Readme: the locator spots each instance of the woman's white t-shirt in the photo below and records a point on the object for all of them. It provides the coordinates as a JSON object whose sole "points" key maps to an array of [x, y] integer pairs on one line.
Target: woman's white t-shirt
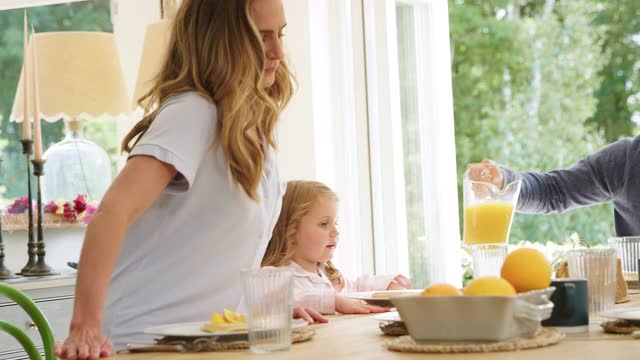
{"points": [[181, 260]]}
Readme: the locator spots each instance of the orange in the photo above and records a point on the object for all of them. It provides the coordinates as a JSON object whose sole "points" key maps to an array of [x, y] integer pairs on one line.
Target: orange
{"points": [[441, 289], [526, 269], [489, 285]]}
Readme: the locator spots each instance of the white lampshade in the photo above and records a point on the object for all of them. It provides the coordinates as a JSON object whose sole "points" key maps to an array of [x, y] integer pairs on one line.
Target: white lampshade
{"points": [[156, 41], [79, 77]]}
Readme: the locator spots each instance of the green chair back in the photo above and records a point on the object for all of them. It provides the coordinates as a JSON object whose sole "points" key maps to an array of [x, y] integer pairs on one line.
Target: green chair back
{"points": [[38, 318]]}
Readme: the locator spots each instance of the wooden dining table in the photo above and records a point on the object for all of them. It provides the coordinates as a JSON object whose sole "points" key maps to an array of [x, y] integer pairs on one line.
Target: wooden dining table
{"points": [[358, 337]]}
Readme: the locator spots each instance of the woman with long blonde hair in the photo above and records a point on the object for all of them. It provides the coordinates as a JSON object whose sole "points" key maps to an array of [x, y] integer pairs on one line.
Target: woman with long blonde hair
{"points": [[199, 195], [304, 240]]}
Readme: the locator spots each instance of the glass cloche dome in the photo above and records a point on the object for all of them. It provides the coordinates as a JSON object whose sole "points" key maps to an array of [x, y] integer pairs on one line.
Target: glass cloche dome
{"points": [[75, 166]]}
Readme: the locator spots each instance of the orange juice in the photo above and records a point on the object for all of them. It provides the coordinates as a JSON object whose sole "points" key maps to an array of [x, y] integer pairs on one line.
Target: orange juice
{"points": [[487, 223]]}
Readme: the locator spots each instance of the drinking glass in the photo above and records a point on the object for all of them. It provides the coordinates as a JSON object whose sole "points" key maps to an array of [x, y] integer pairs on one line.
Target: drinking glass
{"points": [[488, 259], [268, 296], [598, 266], [628, 249]]}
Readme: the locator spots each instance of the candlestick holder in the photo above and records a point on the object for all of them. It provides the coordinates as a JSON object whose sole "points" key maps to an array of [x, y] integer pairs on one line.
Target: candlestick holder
{"points": [[5, 273], [27, 150], [41, 268]]}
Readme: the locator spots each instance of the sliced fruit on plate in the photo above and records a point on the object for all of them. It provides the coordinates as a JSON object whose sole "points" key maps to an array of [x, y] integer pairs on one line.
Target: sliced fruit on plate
{"points": [[227, 321], [217, 319], [223, 327], [232, 317]]}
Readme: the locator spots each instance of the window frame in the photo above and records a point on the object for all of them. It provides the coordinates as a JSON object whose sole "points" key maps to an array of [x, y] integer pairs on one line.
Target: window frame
{"points": [[390, 243], [19, 4]]}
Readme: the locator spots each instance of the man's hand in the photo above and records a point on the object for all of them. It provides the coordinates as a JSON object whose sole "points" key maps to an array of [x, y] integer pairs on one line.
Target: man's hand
{"points": [[486, 171]]}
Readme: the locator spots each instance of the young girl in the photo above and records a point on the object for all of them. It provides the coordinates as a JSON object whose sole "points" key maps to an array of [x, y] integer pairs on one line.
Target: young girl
{"points": [[304, 240]]}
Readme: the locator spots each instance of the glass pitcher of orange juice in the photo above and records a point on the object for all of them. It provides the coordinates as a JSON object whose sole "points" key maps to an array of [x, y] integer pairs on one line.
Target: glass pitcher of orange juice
{"points": [[488, 211]]}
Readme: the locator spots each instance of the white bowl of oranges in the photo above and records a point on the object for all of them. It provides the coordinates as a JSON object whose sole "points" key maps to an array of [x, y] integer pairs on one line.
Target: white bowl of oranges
{"points": [[488, 308]]}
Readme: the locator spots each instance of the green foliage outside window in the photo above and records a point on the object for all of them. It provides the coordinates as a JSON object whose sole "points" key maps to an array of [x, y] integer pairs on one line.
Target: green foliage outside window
{"points": [[91, 15], [540, 84]]}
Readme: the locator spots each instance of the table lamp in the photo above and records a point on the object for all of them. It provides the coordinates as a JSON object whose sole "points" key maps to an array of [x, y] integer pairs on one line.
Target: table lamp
{"points": [[78, 77]]}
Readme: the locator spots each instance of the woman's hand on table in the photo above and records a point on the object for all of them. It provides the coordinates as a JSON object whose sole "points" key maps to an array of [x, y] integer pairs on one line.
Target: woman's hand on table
{"points": [[352, 306], [84, 343], [309, 315]]}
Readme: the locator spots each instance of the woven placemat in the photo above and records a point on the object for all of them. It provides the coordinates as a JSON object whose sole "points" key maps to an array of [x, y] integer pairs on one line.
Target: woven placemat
{"points": [[621, 326], [208, 344], [544, 337], [394, 328]]}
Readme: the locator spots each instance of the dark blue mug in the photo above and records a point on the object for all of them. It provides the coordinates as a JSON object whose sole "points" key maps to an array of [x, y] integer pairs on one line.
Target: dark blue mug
{"points": [[570, 304]]}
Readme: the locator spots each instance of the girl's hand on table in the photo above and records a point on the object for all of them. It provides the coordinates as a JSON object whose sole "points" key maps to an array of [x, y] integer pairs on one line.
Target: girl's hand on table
{"points": [[352, 306], [309, 315], [84, 343]]}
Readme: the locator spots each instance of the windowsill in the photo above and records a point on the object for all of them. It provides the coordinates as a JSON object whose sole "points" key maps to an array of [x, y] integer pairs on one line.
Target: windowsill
{"points": [[65, 278]]}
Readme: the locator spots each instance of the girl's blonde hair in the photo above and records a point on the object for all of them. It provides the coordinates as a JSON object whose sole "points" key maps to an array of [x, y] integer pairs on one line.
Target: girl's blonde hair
{"points": [[296, 204], [216, 50]]}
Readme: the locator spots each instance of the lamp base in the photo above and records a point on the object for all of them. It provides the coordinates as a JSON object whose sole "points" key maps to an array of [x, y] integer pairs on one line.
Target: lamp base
{"points": [[75, 166]]}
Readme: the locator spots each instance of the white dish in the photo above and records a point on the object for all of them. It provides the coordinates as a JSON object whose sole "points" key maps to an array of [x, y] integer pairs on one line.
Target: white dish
{"points": [[388, 316], [474, 317], [192, 329], [381, 298], [623, 314]]}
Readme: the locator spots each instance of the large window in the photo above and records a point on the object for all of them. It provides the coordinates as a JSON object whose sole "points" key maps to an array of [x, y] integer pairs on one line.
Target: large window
{"points": [[540, 84], [537, 85], [90, 15]]}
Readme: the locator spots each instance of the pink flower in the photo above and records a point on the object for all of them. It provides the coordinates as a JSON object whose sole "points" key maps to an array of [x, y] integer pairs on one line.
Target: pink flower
{"points": [[70, 209], [19, 206], [88, 214], [50, 208], [80, 204], [68, 212]]}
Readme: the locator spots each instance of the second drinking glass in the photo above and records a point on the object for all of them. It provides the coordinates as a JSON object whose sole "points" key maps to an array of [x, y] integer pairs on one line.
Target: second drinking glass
{"points": [[268, 295]]}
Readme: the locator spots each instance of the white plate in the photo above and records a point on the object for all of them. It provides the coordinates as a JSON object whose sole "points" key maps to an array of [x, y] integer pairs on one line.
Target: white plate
{"points": [[192, 329], [381, 298], [388, 316], [624, 314]]}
